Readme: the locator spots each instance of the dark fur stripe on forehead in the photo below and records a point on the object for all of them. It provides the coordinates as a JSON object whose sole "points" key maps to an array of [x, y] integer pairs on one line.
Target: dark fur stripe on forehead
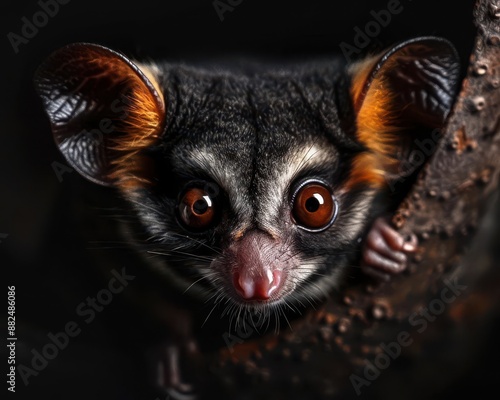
{"points": [[210, 106]]}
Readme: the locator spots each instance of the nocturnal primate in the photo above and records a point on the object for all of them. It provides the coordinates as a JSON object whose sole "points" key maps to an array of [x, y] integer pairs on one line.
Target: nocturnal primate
{"points": [[260, 185]]}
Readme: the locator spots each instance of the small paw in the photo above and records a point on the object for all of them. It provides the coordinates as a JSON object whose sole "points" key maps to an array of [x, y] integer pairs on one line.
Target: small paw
{"points": [[385, 251]]}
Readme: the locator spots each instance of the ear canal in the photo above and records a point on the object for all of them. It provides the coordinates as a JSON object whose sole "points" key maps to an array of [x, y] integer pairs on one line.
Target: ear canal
{"points": [[104, 112], [409, 88]]}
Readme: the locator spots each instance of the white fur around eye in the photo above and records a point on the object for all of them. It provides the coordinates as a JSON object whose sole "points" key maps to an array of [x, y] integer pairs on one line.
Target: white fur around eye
{"points": [[272, 192], [227, 176], [275, 192]]}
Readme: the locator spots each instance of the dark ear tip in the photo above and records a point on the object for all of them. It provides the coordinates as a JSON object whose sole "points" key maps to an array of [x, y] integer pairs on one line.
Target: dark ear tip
{"points": [[63, 53], [435, 45], [426, 77], [48, 71], [433, 42], [56, 54]]}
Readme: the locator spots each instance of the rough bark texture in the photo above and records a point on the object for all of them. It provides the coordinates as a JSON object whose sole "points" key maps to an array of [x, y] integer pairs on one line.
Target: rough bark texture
{"points": [[444, 208]]}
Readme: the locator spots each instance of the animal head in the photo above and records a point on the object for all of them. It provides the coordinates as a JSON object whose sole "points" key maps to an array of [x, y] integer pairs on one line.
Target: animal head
{"points": [[254, 183]]}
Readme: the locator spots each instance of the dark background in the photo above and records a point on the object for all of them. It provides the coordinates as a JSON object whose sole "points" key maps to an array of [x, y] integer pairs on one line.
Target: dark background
{"points": [[46, 255]]}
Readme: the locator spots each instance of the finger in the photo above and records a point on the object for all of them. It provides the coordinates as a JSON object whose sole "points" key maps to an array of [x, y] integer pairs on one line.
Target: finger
{"points": [[376, 241], [393, 238], [375, 260]]}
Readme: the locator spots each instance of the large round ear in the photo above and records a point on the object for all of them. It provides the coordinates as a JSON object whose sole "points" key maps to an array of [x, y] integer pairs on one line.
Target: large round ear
{"points": [[412, 85], [104, 111]]}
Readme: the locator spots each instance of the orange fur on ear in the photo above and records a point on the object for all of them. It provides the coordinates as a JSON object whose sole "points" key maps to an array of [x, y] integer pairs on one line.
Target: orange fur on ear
{"points": [[142, 127], [377, 123]]}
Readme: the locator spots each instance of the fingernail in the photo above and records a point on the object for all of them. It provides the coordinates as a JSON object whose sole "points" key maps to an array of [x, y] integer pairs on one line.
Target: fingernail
{"points": [[409, 247]]}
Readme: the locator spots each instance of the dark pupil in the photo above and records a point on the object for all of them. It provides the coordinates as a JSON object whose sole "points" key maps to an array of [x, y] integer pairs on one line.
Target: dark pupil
{"points": [[200, 207], [312, 204]]}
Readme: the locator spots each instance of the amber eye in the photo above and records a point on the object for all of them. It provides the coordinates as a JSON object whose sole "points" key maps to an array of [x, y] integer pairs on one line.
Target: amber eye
{"points": [[314, 207], [197, 209]]}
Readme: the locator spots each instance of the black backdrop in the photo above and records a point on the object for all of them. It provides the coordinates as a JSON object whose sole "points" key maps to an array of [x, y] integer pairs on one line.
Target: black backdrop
{"points": [[41, 247]]}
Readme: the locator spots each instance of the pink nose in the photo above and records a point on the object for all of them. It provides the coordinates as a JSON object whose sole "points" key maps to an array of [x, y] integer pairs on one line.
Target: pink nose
{"points": [[257, 287]]}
